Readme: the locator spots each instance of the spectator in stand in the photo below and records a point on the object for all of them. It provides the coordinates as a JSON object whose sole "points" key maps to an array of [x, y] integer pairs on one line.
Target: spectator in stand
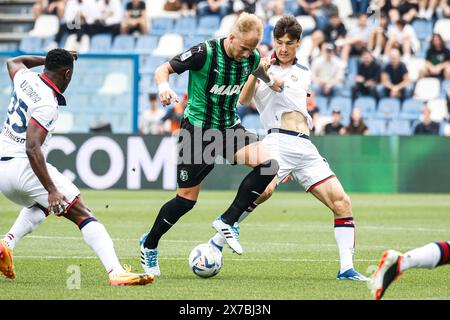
{"points": [[136, 19], [402, 36], [248, 6], [426, 125], [174, 115], [357, 125], [55, 7], [379, 36], [334, 33], [394, 78], [150, 121], [427, 8], [307, 7], [78, 16], [368, 77], [220, 7], [437, 60], [335, 127], [109, 17], [443, 10], [360, 6], [189, 7], [406, 10], [357, 39], [327, 72], [324, 13], [314, 112]]}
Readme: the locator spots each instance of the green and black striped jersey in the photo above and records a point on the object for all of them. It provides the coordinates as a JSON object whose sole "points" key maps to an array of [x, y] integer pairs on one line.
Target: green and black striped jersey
{"points": [[215, 82]]}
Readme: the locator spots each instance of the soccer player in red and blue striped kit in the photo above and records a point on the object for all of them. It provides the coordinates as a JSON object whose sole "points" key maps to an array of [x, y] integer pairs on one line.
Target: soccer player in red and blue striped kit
{"points": [[393, 264]]}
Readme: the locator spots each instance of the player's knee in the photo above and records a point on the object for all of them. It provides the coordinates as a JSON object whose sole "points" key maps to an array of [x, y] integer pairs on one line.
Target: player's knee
{"points": [[342, 205]]}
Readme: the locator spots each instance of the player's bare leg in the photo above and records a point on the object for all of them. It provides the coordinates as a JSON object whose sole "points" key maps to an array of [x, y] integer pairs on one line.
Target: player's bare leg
{"points": [[96, 236], [332, 194]]}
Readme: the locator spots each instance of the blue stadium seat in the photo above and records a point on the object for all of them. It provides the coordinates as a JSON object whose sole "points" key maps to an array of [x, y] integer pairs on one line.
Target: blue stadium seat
{"points": [[207, 25], [322, 104], [191, 41], [123, 43], [146, 44], [31, 45], [445, 86], [161, 26], [150, 64], [423, 28], [367, 105], [376, 127], [101, 43], [185, 25], [388, 108], [399, 128], [352, 67], [411, 109], [345, 104]]}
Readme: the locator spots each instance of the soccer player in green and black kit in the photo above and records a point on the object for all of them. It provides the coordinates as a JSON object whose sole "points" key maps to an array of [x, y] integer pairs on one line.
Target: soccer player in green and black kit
{"points": [[218, 69]]}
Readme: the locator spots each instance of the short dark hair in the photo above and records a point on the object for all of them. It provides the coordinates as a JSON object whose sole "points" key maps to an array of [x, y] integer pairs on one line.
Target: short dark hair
{"points": [[152, 96], [57, 59], [288, 25]]}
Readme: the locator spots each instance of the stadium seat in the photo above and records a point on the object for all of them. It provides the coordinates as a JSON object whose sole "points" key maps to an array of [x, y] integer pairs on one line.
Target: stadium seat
{"points": [[226, 24], [208, 25], [308, 24], [438, 108], [442, 27], [423, 28], [46, 25], [146, 44], [161, 26], [150, 63], [427, 88], [322, 104], [414, 65], [31, 45], [115, 84], [445, 86], [376, 127], [367, 105], [185, 25], [191, 41], [344, 104], [411, 109], [399, 128], [101, 43], [169, 45], [123, 43], [388, 108]]}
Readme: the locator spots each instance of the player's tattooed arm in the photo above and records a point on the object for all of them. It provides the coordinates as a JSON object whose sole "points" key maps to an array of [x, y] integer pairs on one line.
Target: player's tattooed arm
{"points": [[36, 135], [22, 62]]}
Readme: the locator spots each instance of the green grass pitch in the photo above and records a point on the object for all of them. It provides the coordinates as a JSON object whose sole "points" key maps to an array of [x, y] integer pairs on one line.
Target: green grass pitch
{"points": [[289, 248]]}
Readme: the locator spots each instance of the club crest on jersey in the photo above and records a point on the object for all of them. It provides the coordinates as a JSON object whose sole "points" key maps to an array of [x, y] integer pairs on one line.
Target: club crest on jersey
{"points": [[226, 90], [184, 175], [294, 78]]}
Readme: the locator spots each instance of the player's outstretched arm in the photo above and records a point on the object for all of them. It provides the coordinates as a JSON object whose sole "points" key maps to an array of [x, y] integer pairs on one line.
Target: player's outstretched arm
{"points": [[22, 62], [166, 94], [36, 135]]}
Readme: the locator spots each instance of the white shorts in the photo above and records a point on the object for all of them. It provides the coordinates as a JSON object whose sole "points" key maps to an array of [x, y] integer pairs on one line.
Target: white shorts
{"points": [[298, 157], [20, 184]]}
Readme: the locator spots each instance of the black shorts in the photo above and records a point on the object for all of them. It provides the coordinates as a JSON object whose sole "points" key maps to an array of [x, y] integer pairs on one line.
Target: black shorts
{"points": [[198, 149]]}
